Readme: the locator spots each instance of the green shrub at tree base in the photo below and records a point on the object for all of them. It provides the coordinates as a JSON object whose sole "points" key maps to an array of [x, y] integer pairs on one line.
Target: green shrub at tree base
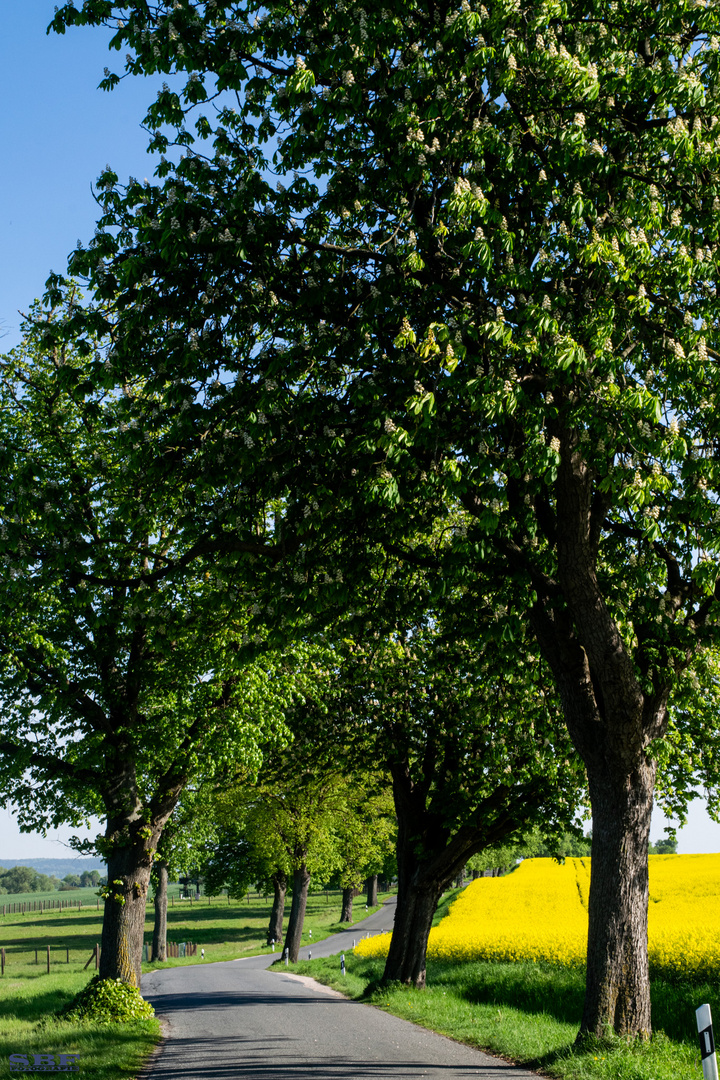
{"points": [[110, 1001]]}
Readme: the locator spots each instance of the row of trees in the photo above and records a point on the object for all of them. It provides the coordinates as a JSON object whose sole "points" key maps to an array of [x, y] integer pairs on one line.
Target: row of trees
{"points": [[412, 424], [299, 823], [131, 677], [22, 879]]}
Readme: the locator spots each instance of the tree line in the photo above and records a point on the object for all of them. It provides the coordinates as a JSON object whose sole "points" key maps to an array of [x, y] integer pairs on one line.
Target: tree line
{"points": [[381, 441], [22, 879]]}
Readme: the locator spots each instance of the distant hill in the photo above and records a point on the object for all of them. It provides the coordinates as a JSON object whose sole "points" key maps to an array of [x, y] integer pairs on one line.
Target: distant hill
{"points": [[58, 867]]}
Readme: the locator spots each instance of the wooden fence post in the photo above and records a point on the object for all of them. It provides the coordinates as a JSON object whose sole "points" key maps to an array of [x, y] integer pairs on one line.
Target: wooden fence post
{"points": [[2, 961], [48, 959], [36, 956]]}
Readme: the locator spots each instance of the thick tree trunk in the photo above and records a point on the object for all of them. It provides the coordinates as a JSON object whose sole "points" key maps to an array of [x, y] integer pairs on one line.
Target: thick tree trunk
{"points": [[430, 856], [612, 719], [417, 903], [124, 914], [131, 842], [301, 884], [428, 859], [159, 940], [347, 906], [612, 741], [372, 891], [275, 927], [617, 995]]}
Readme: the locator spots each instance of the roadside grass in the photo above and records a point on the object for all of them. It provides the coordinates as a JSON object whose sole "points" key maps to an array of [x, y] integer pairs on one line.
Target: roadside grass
{"points": [[530, 1015], [27, 1026]]}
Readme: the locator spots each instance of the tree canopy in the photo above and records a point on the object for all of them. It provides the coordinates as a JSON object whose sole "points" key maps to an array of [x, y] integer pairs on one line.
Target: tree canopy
{"points": [[485, 276], [120, 681]]}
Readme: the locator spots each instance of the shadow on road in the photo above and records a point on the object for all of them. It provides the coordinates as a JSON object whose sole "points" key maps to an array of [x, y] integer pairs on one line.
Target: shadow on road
{"points": [[238, 1058], [167, 1003]]}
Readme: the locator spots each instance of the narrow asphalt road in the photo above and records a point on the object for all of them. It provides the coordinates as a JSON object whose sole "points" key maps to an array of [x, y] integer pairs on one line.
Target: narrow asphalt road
{"points": [[239, 1021]]}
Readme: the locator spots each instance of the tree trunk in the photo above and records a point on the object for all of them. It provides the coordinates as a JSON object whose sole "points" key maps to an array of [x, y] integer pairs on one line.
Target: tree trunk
{"points": [[612, 719], [617, 995], [372, 891], [417, 903], [428, 859], [124, 914], [159, 940], [475, 875], [347, 906], [275, 927], [430, 856], [621, 779], [130, 845], [301, 884]]}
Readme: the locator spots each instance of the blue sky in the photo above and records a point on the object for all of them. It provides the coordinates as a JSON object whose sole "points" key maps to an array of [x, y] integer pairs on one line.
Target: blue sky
{"points": [[57, 132]]}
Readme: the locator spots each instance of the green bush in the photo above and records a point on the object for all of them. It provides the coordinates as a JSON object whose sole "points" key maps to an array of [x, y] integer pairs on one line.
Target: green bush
{"points": [[110, 1001]]}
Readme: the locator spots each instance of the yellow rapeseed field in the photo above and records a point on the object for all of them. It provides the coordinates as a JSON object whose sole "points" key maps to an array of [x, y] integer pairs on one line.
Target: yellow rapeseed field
{"points": [[539, 912]]}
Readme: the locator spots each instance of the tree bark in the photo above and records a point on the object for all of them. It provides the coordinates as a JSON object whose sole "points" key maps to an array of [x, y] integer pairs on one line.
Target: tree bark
{"points": [[417, 903], [159, 939], [124, 914], [612, 719], [275, 927], [372, 891], [347, 906], [293, 938], [132, 834], [429, 856], [617, 994], [611, 732]]}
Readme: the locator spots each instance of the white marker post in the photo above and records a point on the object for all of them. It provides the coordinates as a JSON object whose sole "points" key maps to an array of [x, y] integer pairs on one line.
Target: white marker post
{"points": [[707, 1042], [342, 964]]}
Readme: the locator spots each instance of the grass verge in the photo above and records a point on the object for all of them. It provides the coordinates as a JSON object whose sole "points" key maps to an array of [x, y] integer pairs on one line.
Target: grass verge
{"points": [[530, 1014], [28, 1026]]}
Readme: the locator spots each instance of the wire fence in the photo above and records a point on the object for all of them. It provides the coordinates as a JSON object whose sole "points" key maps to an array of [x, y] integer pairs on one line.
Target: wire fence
{"points": [[51, 955], [23, 906]]}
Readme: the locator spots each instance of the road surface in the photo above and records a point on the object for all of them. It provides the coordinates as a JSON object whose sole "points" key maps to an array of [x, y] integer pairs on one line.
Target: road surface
{"points": [[238, 1021]]}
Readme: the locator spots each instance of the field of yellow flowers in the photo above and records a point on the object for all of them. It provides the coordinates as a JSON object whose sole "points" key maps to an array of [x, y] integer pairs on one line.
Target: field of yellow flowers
{"points": [[539, 912]]}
